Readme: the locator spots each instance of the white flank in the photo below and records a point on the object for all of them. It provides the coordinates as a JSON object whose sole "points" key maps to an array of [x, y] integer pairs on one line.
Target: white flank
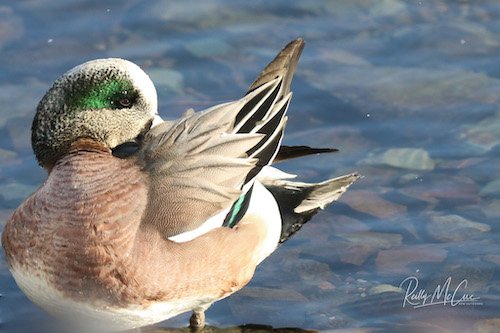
{"points": [[264, 207], [97, 315]]}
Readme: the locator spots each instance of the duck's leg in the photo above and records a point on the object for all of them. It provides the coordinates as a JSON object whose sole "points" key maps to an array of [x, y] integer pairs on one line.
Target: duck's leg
{"points": [[197, 320]]}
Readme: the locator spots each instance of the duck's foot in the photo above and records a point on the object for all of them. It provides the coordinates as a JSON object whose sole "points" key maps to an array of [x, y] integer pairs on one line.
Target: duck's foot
{"points": [[197, 320]]}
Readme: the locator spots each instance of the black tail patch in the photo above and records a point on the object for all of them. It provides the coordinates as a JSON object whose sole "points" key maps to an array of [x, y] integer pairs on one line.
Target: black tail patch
{"points": [[287, 200]]}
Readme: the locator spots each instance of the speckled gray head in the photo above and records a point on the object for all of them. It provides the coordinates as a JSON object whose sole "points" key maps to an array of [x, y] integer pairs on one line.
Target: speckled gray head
{"points": [[111, 101]]}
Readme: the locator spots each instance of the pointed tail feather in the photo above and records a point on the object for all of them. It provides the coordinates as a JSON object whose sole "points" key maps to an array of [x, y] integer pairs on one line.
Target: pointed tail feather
{"points": [[284, 64], [299, 202], [289, 152]]}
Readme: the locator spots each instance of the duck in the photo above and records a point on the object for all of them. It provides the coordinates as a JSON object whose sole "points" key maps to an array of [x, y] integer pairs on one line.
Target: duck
{"points": [[141, 219]]}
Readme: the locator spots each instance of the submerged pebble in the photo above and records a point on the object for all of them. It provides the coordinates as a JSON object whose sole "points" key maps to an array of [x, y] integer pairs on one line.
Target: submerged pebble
{"points": [[166, 78], [491, 189], [397, 261], [487, 326], [454, 228], [371, 203], [484, 134], [405, 158], [15, 191], [208, 47]]}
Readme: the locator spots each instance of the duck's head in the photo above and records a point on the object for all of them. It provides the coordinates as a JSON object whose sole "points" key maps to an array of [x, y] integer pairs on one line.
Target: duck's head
{"points": [[110, 101]]}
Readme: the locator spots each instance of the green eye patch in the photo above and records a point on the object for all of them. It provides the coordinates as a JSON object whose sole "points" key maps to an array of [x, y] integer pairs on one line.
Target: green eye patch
{"points": [[112, 94]]}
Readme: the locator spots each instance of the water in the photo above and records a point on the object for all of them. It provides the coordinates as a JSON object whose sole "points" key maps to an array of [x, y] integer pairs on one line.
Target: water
{"points": [[407, 90]]}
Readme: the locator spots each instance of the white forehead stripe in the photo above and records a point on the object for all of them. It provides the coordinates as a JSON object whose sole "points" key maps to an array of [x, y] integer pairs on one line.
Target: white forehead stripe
{"points": [[138, 77]]}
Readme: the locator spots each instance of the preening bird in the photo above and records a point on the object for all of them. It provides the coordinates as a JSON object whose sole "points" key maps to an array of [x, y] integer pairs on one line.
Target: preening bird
{"points": [[141, 219]]}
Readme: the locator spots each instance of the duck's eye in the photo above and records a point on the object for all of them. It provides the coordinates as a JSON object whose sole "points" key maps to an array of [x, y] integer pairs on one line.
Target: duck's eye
{"points": [[125, 102]]}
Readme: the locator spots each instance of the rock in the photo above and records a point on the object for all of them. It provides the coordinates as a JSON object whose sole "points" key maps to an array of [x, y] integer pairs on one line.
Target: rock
{"points": [[356, 254], [268, 306], [354, 8], [351, 330], [208, 47], [26, 97], [11, 26], [492, 208], [435, 188], [264, 293], [415, 91], [384, 288], [370, 203], [493, 258], [7, 155], [396, 260], [166, 78], [16, 191], [310, 271], [487, 326], [379, 240], [405, 158], [454, 228], [491, 189], [343, 57], [476, 272], [362, 245], [484, 134]]}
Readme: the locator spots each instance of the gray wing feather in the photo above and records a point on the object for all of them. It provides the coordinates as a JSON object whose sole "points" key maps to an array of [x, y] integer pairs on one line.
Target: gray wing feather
{"points": [[198, 165]]}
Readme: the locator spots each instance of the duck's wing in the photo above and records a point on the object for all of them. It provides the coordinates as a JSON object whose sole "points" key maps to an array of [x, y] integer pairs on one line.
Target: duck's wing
{"points": [[199, 165]]}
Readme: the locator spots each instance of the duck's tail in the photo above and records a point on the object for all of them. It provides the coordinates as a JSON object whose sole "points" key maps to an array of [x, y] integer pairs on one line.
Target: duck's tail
{"points": [[299, 202]]}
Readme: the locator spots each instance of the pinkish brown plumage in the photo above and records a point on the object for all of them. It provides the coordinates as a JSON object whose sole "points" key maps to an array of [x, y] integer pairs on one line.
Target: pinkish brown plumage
{"points": [[136, 224]]}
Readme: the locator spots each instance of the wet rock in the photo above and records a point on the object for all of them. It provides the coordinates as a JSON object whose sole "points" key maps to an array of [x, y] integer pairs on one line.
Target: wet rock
{"points": [[435, 188], [397, 260], [384, 288], [370, 203], [16, 191], [454, 228], [310, 271], [7, 155], [268, 306], [19, 131], [364, 244], [137, 47], [405, 158], [378, 240], [11, 26], [208, 47], [487, 326], [492, 208], [166, 78], [343, 57], [485, 134], [491, 189], [354, 8], [25, 96], [494, 258], [478, 274], [352, 330], [356, 254], [271, 294], [413, 89]]}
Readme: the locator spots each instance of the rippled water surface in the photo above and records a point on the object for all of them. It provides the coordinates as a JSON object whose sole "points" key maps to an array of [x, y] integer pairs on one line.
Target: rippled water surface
{"points": [[407, 90]]}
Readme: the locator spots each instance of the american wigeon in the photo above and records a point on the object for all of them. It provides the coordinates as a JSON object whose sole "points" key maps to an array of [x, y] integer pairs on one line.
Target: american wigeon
{"points": [[141, 219]]}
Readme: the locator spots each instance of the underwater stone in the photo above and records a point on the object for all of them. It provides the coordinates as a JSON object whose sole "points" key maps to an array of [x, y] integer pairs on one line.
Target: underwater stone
{"points": [[454, 228], [405, 158], [166, 78], [208, 47], [491, 189], [384, 288]]}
